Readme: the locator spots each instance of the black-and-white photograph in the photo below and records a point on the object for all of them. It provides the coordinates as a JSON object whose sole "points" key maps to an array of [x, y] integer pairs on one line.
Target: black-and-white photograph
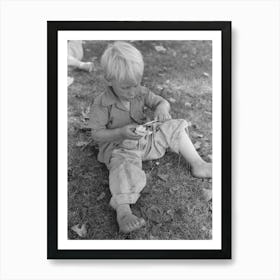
{"points": [[140, 114], [140, 140]]}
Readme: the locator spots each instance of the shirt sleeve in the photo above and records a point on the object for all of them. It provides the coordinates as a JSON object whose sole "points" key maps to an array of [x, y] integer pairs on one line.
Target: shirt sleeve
{"points": [[98, 117], [151, 100]]}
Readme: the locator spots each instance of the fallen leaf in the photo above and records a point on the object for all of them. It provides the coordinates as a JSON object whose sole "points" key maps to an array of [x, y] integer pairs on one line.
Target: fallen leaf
{"points": [[205, 184], [178, 213], [154, 214], [74, 122], [157, 162], [157, 188], [152, 237], [169, 212], [93, 58], [160, 49], [81, 143], [197, 145], [146, 190], [172, 100], [81, 231], [70, 80], [194, 51], [188, 104], [159, 87], [197, 135], [101, 196], [156, 230], [85, 112], [192, 64], [174, 189], [105, 181], [205, 74], [169, 216], [204, 228], [163, 177], [207, 194], [96, 164], [210, 206]]}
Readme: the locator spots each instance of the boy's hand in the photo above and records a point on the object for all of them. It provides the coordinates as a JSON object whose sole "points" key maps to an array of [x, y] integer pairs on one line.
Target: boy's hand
{"points": [[128, 132], [162, 115], [87, 66], [162, 111]]}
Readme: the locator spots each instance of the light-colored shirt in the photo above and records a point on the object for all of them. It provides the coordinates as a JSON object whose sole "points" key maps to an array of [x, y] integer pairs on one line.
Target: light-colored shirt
{"points": [[108, 112]]}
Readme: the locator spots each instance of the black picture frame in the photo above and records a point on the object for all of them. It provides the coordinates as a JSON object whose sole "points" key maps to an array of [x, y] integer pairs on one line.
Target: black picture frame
{"points": [[52, 129]]}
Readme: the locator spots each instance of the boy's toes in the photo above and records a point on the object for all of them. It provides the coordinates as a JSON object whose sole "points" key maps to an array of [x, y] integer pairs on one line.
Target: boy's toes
{"points": [[130, 223], [202, 171], [138, 223]]}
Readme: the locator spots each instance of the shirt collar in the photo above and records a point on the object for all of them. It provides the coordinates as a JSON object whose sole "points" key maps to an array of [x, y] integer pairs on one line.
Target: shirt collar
{"points": [[109, 98]]}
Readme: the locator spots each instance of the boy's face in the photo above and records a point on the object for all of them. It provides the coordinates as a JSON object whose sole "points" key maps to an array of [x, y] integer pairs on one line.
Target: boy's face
{"points": [[126, 90]]}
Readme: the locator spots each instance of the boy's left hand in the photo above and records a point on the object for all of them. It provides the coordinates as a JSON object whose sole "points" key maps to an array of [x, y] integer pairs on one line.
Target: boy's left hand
{"points": [[162, 115]]}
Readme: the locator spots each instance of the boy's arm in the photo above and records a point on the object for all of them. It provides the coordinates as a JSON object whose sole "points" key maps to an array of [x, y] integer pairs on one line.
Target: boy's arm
{"points": [[106, 135], [160, 106], [99, 118], [162, 111], [115, 134]]}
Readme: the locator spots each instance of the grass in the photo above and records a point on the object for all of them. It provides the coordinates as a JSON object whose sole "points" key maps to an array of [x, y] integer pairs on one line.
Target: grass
{"points": [[176, 205]]}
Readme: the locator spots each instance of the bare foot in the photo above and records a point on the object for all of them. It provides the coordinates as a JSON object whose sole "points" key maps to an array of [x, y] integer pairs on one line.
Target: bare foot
{"points": [[202, 170], [127, 221], [87, 66]]}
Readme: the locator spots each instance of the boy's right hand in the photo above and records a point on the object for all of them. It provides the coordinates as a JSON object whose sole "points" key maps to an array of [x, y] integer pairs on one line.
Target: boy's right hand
{"points": [[128, 132]]}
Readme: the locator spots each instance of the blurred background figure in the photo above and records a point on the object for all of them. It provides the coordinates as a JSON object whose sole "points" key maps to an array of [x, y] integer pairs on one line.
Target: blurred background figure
{"points": [[75, 55]]}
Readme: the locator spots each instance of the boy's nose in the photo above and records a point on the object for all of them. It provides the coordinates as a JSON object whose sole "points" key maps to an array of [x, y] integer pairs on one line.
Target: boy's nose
{"points": [[132, 92]]}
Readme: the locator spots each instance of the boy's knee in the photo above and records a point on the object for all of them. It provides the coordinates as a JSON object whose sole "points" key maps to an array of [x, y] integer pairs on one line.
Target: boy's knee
{"points": [[174, 130], [180, 123], [175, 124], [120, 157], [183, 126]]}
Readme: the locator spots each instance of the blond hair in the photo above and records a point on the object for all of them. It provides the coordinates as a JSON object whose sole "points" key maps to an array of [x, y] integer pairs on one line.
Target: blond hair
{"points": [[122, 62]]}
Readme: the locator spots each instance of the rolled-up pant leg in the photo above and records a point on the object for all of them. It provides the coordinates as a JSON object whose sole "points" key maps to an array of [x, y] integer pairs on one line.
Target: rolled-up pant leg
{"points": [[126, 177], [172, 131], [166, 135]]}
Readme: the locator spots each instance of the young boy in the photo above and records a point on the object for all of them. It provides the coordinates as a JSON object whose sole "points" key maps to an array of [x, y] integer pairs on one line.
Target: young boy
{"points": [[116, 119]]}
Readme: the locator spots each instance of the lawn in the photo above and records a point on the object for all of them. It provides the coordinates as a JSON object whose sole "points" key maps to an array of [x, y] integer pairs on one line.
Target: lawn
{"points": [[174, 204]]}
